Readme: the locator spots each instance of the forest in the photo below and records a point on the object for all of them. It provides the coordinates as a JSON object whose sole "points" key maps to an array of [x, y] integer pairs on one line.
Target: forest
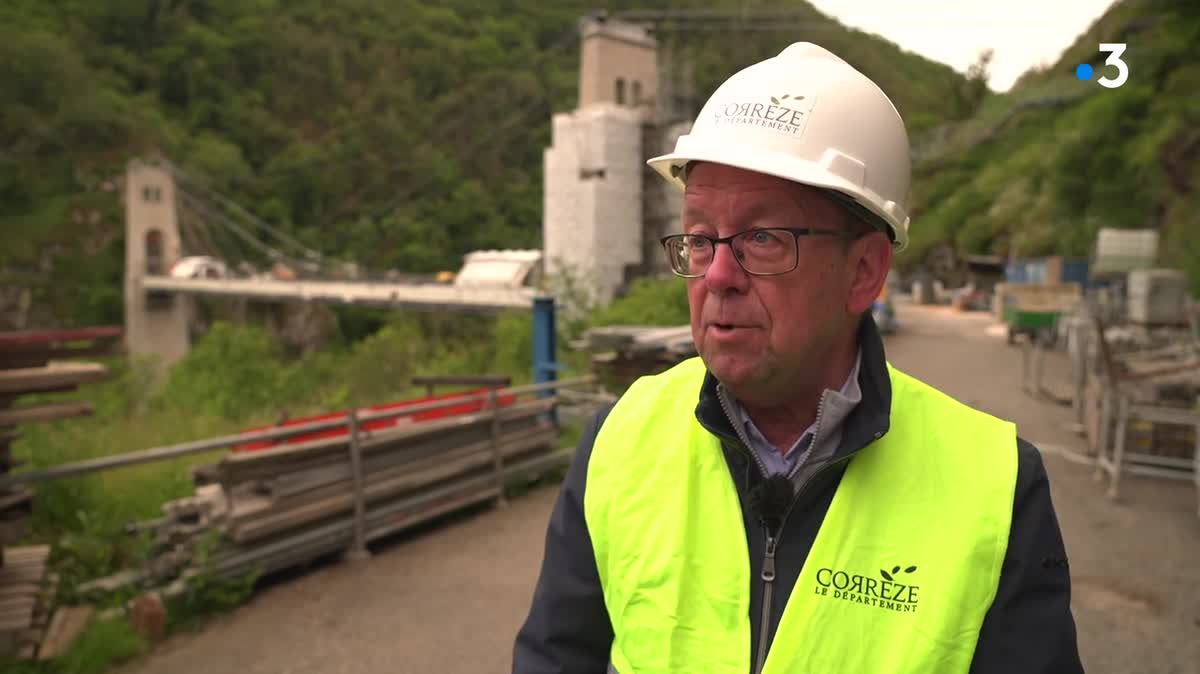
{"points": [[395, 135]]}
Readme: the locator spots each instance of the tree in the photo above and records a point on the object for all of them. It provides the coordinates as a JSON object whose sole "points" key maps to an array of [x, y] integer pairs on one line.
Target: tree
{"points": [[975, 88]]}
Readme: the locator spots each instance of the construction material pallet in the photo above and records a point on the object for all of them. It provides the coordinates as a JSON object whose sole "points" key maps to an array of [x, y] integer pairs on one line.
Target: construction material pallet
{"points": [[26, 598]]}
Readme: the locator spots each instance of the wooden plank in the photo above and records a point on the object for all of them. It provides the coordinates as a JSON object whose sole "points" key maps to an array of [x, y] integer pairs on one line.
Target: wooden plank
{"points": [[12, 573], [18, 565], [242, 467], [45, 412], [21, 589], [265, 525], [51, 377], [15, 497], [15, 340], [279, 458], [114, 582], [66, 625], [28, 553], [11, 606], [16, 613], [486, 380], [300, 481], [512, 445], [309, 543], [408, 519], [39, 356], [541, 464], [375, 440], [415, 471]]}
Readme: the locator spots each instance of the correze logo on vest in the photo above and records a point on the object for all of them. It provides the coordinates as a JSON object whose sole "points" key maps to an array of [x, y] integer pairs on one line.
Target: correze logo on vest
{"points": [[886, 592], [788, 113]]}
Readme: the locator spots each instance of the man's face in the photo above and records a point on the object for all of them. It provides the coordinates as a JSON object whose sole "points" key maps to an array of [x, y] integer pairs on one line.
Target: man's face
{"points": [[761, 335]]}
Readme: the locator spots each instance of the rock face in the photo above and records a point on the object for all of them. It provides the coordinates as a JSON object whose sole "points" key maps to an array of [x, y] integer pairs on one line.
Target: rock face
{"points": [[298, 327], [303, 327]]}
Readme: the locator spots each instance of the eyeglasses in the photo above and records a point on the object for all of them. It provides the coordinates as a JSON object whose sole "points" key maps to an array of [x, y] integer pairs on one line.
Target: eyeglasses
{"points": [[760, 252]]}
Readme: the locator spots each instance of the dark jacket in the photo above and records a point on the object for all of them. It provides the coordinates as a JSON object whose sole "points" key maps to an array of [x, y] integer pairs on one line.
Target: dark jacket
{"points": [[1029, 628]]}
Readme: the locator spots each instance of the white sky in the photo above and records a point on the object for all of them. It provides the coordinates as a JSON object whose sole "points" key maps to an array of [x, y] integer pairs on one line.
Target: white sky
{"points": [[1023, 33]]}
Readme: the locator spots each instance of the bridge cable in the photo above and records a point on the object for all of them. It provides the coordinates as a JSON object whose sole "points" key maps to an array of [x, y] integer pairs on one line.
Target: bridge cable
{"points": [[311, 254], [196, 204]]}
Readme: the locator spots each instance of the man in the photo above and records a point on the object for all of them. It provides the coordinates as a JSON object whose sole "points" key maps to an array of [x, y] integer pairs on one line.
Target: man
{"points": [[788, 502]]}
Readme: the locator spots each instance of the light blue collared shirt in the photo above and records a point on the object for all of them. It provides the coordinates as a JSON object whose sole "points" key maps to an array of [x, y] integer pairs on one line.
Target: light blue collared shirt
{"points": [[837, 406]]}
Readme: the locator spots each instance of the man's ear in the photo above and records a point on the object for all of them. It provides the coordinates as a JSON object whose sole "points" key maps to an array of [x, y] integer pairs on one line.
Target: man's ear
{"points": [[871, 257]]}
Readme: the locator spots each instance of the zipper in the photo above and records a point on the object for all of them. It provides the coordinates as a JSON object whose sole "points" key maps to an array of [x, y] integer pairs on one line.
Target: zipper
{"points": [[768, 567], [816, 437], [737, 428], [768, 578]]}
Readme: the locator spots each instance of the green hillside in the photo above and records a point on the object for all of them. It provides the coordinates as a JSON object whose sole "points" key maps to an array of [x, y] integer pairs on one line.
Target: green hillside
{"points": [[1042, 168], [396, 134]]}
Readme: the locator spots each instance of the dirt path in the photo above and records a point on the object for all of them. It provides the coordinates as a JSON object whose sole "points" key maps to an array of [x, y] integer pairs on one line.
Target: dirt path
{"points": [[450, 600]]}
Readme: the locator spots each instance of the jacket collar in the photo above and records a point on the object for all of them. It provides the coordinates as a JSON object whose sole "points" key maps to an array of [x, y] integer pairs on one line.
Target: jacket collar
{"points": [[868, 421]]}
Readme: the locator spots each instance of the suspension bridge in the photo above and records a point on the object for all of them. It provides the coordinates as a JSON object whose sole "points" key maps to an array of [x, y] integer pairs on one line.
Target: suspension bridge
{"points": [[172, 217]]}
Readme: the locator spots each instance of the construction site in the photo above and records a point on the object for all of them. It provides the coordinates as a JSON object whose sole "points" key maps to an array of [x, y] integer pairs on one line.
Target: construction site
{"points": [[406, 533]]}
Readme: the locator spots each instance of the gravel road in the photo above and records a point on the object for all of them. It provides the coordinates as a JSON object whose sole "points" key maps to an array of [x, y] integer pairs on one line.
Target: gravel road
{"points": [[449, 599]]}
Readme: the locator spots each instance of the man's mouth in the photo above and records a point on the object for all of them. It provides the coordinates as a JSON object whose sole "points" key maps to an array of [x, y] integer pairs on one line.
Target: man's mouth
{"points": [[729, 327]]}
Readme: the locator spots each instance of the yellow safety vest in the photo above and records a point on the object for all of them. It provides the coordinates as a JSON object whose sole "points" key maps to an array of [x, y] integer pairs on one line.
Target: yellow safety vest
{"points": [[899, 578]]}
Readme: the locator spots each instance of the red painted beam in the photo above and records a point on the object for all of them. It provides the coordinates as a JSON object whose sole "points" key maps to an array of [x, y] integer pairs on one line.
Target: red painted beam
{"points": [[42, 337]]}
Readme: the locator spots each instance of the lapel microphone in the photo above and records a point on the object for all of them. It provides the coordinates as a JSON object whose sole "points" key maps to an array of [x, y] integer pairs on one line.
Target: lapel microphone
{"points": [[770, 499]]}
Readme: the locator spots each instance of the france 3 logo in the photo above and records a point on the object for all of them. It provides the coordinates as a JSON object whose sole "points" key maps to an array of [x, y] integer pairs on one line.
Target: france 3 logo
{"points": [[1114, 49]]}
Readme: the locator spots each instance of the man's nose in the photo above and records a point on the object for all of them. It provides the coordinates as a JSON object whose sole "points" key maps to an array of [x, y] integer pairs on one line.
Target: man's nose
{"points": [[724, 273]]}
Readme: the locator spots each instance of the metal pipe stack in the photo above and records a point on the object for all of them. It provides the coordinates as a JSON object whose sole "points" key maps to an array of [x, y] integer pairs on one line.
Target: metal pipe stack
{"points": [[267, 510]]}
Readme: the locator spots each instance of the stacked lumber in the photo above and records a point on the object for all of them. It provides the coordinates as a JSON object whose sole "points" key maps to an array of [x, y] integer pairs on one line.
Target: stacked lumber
{"points": [[271, 509], [27, 594], [1154, 369], [622, 353], [33, 362]]}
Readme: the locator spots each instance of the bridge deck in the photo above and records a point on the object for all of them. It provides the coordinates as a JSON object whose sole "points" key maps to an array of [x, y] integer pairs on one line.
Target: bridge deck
{"points": [[349, 292]]}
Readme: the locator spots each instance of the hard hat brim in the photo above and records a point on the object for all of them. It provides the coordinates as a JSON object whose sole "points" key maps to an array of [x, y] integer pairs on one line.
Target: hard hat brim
{"points": [[672, 168]]}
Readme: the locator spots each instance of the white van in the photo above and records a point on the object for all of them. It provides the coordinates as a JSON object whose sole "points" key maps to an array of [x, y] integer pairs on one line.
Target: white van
{"points": [[199, 266]]}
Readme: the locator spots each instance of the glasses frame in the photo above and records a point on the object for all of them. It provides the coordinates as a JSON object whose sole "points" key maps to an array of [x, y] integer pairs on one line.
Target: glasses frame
{"points": [[796, 232]]}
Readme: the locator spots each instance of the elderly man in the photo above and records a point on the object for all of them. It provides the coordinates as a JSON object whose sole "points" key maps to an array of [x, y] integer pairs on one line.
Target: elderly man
{"points": [[788, 502]]}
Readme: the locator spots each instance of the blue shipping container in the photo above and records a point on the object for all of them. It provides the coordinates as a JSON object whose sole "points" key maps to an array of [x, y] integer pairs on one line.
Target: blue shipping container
{"points": [[1025, 271], [1036, 270], [1075, 270]]}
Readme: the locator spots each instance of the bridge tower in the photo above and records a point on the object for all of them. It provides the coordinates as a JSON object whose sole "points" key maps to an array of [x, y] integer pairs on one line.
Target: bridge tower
{"points": [[155, 323], [604, 210]]}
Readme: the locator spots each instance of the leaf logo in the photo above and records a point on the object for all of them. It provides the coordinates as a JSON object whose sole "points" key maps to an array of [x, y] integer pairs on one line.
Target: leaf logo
{"points": [[784, 97], [895, 570]]}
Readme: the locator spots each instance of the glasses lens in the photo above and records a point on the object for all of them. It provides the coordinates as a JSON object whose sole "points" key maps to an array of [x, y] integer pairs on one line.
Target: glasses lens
{"points": [[689, 255], [766, 251], [759, 251]]}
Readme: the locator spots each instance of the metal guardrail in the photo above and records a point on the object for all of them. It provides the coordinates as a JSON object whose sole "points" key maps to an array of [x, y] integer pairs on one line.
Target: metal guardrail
{"points": [[200, 446]]}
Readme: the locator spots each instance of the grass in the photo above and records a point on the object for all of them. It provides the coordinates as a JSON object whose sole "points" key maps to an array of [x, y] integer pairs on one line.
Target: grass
{"points": [[233, 379], [102, 645]]}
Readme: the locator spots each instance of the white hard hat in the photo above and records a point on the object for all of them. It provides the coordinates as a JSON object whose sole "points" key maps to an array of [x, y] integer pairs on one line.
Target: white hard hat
{"points": [[808, 116]]}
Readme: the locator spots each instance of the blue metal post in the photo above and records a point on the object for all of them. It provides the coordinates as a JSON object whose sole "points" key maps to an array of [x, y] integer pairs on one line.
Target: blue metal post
{"points": [[545, 363]]}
